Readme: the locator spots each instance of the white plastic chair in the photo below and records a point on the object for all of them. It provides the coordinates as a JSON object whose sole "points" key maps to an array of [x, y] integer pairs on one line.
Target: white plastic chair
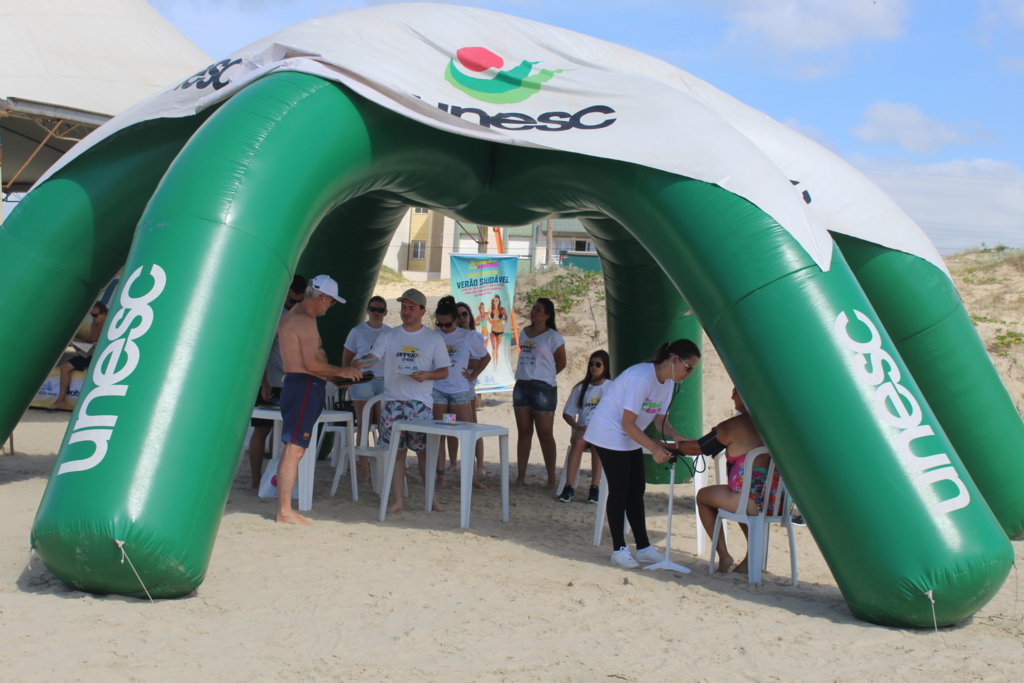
{"points": [[377, 455], [757, 525]]}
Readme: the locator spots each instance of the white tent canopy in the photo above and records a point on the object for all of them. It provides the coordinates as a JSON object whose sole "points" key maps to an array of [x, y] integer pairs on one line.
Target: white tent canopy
{"points": [[78, 62]]}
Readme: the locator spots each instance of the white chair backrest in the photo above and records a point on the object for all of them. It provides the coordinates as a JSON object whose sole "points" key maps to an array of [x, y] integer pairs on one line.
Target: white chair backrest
{"points": [[774, 513], [332, 396], [366, 418]]}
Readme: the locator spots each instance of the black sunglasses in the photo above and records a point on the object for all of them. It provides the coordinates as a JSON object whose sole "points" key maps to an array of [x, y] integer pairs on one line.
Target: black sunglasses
{"points": [[597, 364], [464, 314], [377, 309], [445, 325]]}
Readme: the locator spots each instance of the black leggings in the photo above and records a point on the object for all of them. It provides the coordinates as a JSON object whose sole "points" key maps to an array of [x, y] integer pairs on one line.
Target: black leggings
{"points": [[626, 485]]}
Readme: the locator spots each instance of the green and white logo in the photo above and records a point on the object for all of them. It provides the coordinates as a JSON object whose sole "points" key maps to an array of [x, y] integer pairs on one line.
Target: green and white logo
{"points": [[495, 85]]}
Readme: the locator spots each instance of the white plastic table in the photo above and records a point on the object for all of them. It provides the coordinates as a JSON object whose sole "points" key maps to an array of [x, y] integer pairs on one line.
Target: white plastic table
{"points": [[467, 434], [308, 463]]}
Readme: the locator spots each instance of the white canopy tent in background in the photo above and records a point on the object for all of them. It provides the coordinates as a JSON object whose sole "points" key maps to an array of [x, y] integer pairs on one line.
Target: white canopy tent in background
{"points": [[67, 66]]}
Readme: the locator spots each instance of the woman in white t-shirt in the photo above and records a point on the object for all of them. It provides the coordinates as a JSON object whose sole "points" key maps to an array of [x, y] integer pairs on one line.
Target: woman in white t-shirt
{"points": [[358, 343], [640, 395], [454, 394], [535, 395], [467, 322], [583, 400]]}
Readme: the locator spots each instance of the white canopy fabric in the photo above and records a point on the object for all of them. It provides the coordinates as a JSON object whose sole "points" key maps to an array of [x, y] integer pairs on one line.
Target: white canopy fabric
{"points": [[540, 86], [99, 56]]}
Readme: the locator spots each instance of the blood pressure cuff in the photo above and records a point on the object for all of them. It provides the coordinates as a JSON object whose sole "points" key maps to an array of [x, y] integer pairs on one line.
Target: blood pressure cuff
{"points": [[709, 443]]}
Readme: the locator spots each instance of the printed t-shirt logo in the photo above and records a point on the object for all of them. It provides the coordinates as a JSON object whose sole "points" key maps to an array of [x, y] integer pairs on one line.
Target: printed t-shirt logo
{"points": [[407, 353], [650, 406], [498, 86]]}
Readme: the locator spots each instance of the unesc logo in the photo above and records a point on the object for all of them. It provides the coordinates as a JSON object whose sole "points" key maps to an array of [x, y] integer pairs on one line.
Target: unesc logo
{"points": [[896, 406], [477, 72], [498, 86]]}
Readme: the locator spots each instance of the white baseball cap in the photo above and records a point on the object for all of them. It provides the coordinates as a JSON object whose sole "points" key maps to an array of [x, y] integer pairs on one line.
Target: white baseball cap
{"points": [[327, 285]]}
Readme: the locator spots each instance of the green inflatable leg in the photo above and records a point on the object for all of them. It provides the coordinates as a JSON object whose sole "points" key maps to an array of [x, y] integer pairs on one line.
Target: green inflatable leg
{"points": [[894, 511], [148, 460], [922, 311], [350, 245], [645, 309], [62, 245]]}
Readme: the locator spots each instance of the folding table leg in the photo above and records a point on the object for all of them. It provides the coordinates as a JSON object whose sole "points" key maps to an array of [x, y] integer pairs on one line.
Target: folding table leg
{"points": [[389, 473], [467, 445], [433, 442], [503, 451]]}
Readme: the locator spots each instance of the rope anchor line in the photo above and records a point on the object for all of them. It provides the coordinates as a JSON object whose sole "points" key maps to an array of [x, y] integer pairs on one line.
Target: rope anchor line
{"points": [[124, 556]]}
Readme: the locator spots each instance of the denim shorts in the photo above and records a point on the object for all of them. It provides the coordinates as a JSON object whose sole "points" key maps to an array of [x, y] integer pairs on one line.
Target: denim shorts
{"points": [[535, 394], [364, 392], [450, 399]]}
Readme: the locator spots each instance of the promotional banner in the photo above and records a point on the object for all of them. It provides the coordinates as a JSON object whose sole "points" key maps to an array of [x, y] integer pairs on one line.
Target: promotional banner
{"points": [[487, 282]]}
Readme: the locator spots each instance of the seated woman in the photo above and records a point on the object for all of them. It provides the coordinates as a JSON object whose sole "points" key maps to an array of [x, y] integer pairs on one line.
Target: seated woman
{"points": [[738, 435]]}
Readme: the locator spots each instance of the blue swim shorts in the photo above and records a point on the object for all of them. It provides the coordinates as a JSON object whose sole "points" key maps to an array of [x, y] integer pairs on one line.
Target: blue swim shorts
{"points": [[302, 401]]}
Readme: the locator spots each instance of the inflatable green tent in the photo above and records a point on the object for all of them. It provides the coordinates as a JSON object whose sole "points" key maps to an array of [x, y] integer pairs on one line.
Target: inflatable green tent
{"points": [[831, 310]]}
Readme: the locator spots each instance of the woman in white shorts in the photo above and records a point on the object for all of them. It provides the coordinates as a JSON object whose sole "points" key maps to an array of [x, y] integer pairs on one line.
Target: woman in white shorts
{"points": [[455, 393]]}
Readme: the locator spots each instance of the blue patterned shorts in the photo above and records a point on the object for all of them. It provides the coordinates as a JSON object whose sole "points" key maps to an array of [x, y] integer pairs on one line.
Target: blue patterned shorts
{"points": [[404, 410]]}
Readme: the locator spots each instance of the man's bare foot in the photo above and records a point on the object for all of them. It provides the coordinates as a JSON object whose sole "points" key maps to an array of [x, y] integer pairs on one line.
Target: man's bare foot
{"points": [[480, 472], [477, 484], [396, 506], [741, 568], [441, 482], [551, 485], [519, 482], [292, 517], [58, 404], [453, 466], [255, 490], [724, 562], [436, 507]]}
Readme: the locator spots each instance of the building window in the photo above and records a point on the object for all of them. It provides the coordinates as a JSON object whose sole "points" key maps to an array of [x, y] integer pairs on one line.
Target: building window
{"points": [[418, 209], [419, 250]]}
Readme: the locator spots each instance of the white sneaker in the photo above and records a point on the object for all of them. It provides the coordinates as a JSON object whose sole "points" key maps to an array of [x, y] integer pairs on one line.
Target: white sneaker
{"points": [[622, 558], [649, 555]]}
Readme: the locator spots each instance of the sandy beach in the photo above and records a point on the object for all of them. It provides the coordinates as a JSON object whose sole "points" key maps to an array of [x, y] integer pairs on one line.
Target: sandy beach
{"points": [[416, 598]]}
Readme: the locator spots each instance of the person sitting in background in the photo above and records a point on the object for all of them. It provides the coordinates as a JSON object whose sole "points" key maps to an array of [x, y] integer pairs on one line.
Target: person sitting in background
{"points": [[738, 436], [80, 363], [582, 401]]}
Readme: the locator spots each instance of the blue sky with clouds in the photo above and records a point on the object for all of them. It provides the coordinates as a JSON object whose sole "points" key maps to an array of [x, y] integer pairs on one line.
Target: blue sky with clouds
{"points": [[927, 98]]}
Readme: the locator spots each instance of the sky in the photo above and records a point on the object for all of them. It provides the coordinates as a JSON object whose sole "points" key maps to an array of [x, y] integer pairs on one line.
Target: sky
{"points": [[925, 97]]}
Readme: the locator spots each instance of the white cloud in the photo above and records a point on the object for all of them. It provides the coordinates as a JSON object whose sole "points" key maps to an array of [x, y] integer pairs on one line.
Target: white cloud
{"points": [[810, 38], [908, 126], [959, 204]]}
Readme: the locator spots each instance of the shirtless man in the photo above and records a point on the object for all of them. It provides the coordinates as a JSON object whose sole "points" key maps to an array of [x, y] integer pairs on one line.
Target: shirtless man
{"points": [[80, 363], [305, 380]]}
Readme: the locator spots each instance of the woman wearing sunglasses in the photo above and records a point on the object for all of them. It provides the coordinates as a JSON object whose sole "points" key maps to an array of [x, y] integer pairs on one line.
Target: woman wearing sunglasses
{"points": [[640, 395], [455, 393], [358, 344]]}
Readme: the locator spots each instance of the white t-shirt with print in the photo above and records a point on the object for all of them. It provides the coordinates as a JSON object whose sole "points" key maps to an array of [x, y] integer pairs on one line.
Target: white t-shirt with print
{"points": [[637, 390], [537, 356], [462, 345], [360, 340], [590, 401], [402, 353]]}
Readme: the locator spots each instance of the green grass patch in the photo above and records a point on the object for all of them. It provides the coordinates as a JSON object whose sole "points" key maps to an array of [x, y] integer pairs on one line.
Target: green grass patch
{"points": [[568, 288], [1007, 341]]}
